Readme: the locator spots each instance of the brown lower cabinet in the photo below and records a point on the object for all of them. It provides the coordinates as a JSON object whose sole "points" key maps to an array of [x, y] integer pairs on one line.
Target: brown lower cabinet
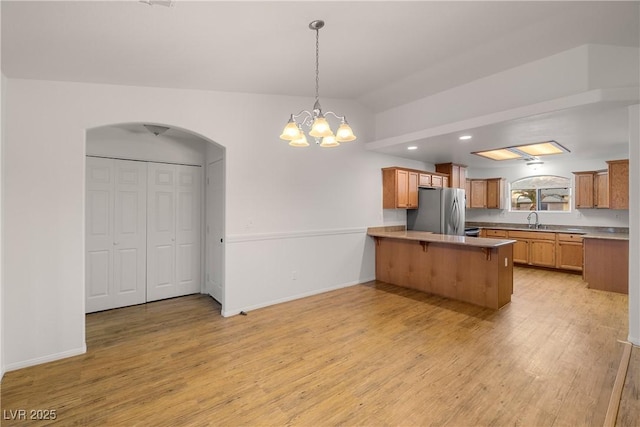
{"points": [[521, 251], [604, 262], [534, 247], [543, 248], [569, 252]]}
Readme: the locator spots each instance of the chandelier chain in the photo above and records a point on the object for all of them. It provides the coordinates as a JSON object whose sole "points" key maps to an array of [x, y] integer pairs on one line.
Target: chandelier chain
{"points": [[317, 64]]}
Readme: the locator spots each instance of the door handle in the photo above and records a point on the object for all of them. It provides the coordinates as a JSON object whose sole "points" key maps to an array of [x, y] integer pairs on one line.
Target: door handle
{"points": [[116, 243], [456, 215]]}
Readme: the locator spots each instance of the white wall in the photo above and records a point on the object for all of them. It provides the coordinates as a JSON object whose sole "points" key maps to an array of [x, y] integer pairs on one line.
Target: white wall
{"points": [[3, 91], [582, 217], [286, 209], [115, 141], [2, 139], [634, 212], [613, 66]]}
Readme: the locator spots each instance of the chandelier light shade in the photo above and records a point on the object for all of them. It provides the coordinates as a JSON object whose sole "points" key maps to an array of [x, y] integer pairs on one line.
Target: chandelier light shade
{"points": [[291, 131], [315, 120]]}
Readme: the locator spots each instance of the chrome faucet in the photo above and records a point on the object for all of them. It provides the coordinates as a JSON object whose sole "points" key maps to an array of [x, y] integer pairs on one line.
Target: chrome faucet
{"points": [[536, 224]]}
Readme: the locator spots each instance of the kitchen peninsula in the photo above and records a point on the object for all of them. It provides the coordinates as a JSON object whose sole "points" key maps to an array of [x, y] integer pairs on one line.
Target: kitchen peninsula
{"points": [[470, 269]]}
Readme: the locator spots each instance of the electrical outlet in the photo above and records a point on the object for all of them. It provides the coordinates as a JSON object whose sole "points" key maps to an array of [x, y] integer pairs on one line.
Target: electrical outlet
{"points": [[294, 275]]}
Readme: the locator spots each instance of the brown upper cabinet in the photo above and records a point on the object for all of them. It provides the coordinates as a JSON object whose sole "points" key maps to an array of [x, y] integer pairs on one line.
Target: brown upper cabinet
{"points": [[584, 189], [400, 186], [495, 190], [603, 189], [457, 174], [618, 184], [485, 193], [477, 197], [424, 180], [433, 179]]}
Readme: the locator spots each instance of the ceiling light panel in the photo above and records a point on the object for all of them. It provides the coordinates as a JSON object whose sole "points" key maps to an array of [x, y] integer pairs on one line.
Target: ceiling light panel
{"points": [[542, 148], [499, 154]]}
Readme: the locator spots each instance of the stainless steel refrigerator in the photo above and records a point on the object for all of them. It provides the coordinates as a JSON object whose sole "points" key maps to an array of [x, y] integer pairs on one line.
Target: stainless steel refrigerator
{"points": [[440, 210]]}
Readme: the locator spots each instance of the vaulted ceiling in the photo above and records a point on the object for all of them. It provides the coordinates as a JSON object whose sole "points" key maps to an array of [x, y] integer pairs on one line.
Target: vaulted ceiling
{"points": [[380, 53]]}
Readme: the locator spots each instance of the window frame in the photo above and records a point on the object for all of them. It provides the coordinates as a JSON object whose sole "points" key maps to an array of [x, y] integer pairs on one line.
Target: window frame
{"points": [[537, 193]]}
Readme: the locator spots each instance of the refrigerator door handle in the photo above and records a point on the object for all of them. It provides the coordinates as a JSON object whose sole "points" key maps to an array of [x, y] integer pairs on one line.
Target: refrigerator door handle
{"points": [[455, 210]]}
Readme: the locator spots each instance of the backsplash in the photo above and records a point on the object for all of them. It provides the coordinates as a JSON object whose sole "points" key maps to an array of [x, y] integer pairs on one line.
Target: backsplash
{"points": [[551, 227], [579, 218]]}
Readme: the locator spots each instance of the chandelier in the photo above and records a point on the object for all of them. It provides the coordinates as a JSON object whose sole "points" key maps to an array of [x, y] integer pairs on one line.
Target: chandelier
{"points": [[316, 119]]}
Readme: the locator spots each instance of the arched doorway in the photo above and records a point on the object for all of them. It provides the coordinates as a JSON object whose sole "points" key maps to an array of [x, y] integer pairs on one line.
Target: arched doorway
{"points": [[142, 153]]}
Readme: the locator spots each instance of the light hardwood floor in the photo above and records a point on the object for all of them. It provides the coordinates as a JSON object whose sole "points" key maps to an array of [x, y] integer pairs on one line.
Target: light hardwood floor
{"points": [[370, 354]]}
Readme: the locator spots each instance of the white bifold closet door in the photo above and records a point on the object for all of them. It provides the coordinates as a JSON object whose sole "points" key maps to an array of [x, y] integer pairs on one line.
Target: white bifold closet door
{"points": [[116, 243], [173, 231]]}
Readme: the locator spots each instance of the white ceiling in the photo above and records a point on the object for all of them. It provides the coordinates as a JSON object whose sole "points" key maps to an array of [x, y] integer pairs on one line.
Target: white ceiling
{"points": [[374, 52]]}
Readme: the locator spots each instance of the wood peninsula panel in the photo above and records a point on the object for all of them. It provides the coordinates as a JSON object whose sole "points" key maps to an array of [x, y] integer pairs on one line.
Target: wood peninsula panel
{"points": [[481, 276], [606, 264]]}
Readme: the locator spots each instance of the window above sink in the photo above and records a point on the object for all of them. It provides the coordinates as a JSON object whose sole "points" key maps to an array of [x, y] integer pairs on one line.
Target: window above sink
{"points": [[541, 193]]}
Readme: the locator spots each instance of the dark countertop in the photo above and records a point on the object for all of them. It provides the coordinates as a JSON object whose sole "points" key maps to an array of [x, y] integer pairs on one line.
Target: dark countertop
{"points": [[611, 233]]}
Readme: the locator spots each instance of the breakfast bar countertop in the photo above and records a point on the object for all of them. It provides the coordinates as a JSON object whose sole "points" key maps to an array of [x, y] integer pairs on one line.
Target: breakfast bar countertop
{"points": [[429, 237]]}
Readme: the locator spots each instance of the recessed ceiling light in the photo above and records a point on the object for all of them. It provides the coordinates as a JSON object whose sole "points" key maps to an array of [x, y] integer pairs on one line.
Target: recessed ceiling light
{"points": [[413, 147], [464, 137]]}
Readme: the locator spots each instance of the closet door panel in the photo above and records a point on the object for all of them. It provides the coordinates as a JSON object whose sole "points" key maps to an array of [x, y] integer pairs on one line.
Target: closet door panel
{"points": [[161, 232], [188, 229], [115, 233], [98, 273], [99, 234], [130, 239]]}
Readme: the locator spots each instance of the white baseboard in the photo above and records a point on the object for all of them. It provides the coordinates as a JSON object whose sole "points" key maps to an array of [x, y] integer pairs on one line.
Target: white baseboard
{"points": [[44, 359], [234, 312]]}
